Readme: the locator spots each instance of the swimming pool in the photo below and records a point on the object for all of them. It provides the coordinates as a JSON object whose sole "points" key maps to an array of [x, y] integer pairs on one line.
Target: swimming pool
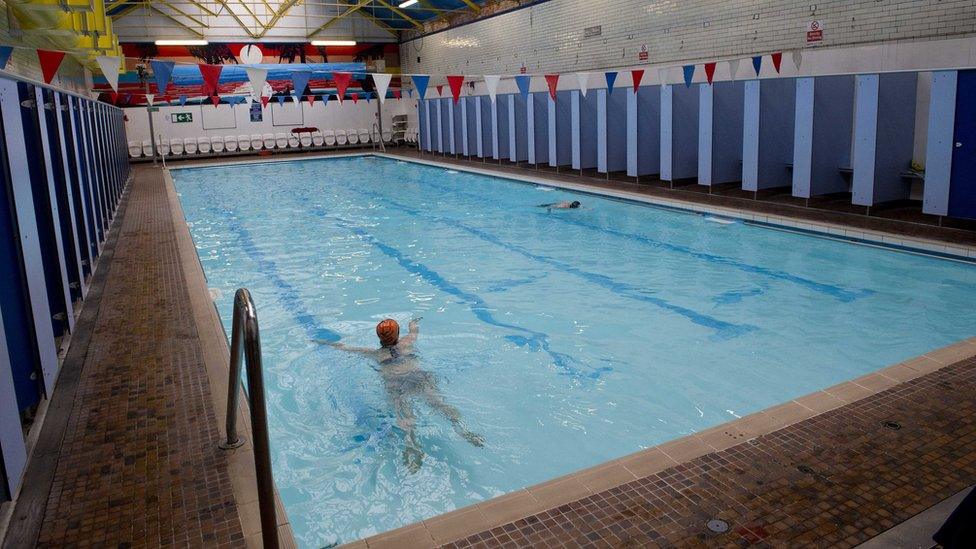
{"points": [[564, 338]]}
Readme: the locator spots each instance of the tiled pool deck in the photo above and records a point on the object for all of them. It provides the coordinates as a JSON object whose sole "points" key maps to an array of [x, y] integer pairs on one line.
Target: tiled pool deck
{"points": [[130, 443]]}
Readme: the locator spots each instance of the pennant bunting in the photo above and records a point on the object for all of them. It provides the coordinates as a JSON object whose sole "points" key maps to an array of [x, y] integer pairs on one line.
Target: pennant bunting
{"points": [[296, 100], [281, 100], [410, 92], [110, 66], [182, 100], [299, 81], [611, 78], [396, 94], [455, 82], [50, 61], [552, 80], [797, 59], [211, 77], [162, 73], [381, 82], [710, 71], [355, 97], [7, 51], [757, 64], [215, 99], [733, 67], [777, 60], [421, 81], [149, 99], [342, 82], [265, 100], [637, 75], [257, 77], [689, 74], [310, 99], [325, 99], [584, 82], [491, 83], [440, 90], [523, 81], [367, 96]]}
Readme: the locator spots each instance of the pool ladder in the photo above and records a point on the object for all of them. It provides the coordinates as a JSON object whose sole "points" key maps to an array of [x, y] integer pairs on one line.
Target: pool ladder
{"points": [[245, 344], [379, 138]]}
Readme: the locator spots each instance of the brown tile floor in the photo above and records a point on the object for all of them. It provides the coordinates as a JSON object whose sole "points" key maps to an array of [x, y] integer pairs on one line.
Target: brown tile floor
{"points": [[833, 480], [139, 463]]}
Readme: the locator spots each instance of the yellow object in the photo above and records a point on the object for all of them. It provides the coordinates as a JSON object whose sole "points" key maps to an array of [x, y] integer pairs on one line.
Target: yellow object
{"points": [[79, 27]]}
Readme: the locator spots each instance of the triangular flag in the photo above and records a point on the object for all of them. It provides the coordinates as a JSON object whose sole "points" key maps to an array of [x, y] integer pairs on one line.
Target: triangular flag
{"points": [[757, 64], [310, 99], [149, 99], [281, 100], [421, 81], [491, 83], [113, 97], [523, 81], [182, 100], [440, 90], [409, 92], [258, 77], [296, 100], [215, 99], [733, 67], [367, 96], [7, 51], [396, 94], [637, 75], [381, 82], [710, 71], [162, 72], [355, 97], [455, 82], [341, 82], [265, 100], [211, 77], [110, 68], [325, 99], [797, 58], [611, 78], [299, 80], [50, 61], [552, 80], [689, 74], [777, 60], [584, 82]]}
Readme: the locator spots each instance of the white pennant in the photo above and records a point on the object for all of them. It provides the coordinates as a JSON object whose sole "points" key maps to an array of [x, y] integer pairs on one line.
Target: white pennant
{"points": [[584, 82], [491, 82], [297, 100], [382, 82], [733, 67], [110, 68], [797, 58], [149, 98], [257, 77]]}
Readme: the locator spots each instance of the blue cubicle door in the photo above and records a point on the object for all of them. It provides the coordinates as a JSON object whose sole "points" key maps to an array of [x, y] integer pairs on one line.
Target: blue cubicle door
{"points": [[423, 127], [446, 137], [537, 121], [644, 131], [560, 122], [823, 135], [501, 136], [518, 129], [611, 131], [720, 133], [485, 129], [74, 185], [464, 133], [87, 193], [584, 130], [962, 186]]}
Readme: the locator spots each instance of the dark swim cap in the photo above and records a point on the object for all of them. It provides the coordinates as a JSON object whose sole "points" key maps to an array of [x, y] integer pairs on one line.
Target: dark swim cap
{"points": [[575, 204]]}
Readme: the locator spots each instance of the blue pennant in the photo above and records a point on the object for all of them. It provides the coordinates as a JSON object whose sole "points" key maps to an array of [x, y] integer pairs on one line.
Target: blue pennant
{"points": [[757, 64], [182, 100], [162, 72], [421, 81], [523, 81], [299, 80], [689, 71], [5, 53], [611, 78]]}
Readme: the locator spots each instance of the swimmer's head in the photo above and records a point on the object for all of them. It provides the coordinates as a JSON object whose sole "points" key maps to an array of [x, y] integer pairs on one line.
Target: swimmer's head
{"points": [[388, 331], [575, 204]]}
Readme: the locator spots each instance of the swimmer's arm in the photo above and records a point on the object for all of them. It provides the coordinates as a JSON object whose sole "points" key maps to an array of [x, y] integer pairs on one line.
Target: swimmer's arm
{"points": [[414, 331], [347, 348]]}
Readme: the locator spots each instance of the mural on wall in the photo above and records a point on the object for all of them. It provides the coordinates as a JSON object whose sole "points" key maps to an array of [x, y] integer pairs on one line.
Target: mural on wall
{"points": [[281, 60]]}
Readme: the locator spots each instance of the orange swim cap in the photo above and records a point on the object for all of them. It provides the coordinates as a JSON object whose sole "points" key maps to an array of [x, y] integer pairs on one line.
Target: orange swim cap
{"points": [[388, 331]]}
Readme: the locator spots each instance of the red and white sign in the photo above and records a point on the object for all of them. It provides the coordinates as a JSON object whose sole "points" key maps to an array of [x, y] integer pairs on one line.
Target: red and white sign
{"points": [[643, 54], [815, 32], [522, 69]]}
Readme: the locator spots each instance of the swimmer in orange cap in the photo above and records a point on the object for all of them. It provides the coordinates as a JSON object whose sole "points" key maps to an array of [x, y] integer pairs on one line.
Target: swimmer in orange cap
{"points": [[403, 379]]}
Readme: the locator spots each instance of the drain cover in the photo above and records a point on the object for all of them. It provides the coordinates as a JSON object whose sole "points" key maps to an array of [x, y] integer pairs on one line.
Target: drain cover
{"points": [[893, 425], [717, 526]]}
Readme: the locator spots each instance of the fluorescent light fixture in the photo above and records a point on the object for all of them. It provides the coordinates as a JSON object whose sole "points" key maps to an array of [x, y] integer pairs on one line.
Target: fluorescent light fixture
{"points": [[181, 42], [333, 42], [407, 4]]}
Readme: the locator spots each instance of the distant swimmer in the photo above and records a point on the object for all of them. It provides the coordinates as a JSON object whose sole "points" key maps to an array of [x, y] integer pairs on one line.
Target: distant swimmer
{"points": [[403, 379], [566, 205]]}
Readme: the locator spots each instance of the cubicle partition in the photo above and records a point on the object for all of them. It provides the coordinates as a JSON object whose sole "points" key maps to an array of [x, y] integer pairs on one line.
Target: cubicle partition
{"points": [[63, 169], [500, 120], [485, 127], [425, 138], [823, 134], [560, 120], [457, 127], [537, 121], [679, 132], [611, 136], [446, 126], [518, 129], [466, 115], [720, 133], [583, 130], [767, 136], [644, 131]]}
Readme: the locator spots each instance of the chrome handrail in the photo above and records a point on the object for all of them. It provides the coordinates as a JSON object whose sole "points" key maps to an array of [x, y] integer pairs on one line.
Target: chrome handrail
{"points": [[246, 343], [379, 138]]}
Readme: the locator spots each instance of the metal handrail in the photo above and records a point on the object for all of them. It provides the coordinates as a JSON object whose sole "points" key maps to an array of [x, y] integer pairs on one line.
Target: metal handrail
{"points": [[246, 343], [379, 138]]}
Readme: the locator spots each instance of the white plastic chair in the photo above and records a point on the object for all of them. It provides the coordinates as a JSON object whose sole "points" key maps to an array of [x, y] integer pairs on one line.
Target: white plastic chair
{"points": [[203, 145], [244, 142], [365, 136], [341, 138], [352, 136], [293, 140], [269, 141], [305, 138], [190, 145], [257, 142], [318, 139], [135, 149], [329, 137], [281, 140], [163, 147], [176, 147], [230, 143], [387, 136], [147, 147], [217, 144]]}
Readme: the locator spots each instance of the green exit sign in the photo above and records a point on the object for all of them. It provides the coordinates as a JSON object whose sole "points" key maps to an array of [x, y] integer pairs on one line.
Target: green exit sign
{"points": [[182, 117], [153, 109]]}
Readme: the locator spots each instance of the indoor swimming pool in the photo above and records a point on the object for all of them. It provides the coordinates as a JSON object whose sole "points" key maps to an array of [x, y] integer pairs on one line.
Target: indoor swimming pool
{"points": [[565, 338]]}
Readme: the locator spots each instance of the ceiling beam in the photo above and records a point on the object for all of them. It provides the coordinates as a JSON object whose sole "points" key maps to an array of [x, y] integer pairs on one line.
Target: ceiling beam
{"points": [[203, 7], [383, 25], [233, 14], [177, 21], [405, 17], [183, 13], [282, 11], [474, 7], [362, 4]]}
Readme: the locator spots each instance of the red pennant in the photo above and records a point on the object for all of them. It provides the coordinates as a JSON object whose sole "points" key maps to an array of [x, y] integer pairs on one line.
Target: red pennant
{"points": [[709, 71], [211, 77], [637, 75], [342, 82], [215, 99], [396, 94], [114, 97], [440, 90], [264, 100], [777, 60], [50, 61], [552, 80], [355, 97], [456, 82], [310, 99]]}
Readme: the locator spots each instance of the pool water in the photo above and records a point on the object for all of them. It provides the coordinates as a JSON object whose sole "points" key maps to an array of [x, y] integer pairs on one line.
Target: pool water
{"points": [[564, 338]]}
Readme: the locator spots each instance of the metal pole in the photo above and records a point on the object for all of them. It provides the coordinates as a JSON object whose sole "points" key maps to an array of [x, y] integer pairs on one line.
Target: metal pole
{"points": [[152, 130], [379, 122]]}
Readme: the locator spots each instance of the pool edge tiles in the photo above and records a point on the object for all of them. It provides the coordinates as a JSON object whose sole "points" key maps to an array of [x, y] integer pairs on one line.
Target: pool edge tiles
{"points": [[533, 500]]}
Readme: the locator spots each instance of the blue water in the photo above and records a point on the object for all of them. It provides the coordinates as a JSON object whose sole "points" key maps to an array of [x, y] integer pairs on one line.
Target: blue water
{"points": [[565, 339]]}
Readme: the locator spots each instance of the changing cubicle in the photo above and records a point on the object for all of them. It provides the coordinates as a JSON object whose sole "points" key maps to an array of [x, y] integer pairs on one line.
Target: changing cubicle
{"points": [[518, 129], [767, 138], [537, 121], [720, 133], [485, 128], [611, 127], [823, 133], [679, 132], [950, 184], [560, 122], [644, 132], [469, 144], [500, 120], [446, 126], [584, 130]]}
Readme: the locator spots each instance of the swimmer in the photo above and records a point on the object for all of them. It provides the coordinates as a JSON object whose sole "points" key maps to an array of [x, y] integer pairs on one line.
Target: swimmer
{"points": [[566, 205], [403, 379]]}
